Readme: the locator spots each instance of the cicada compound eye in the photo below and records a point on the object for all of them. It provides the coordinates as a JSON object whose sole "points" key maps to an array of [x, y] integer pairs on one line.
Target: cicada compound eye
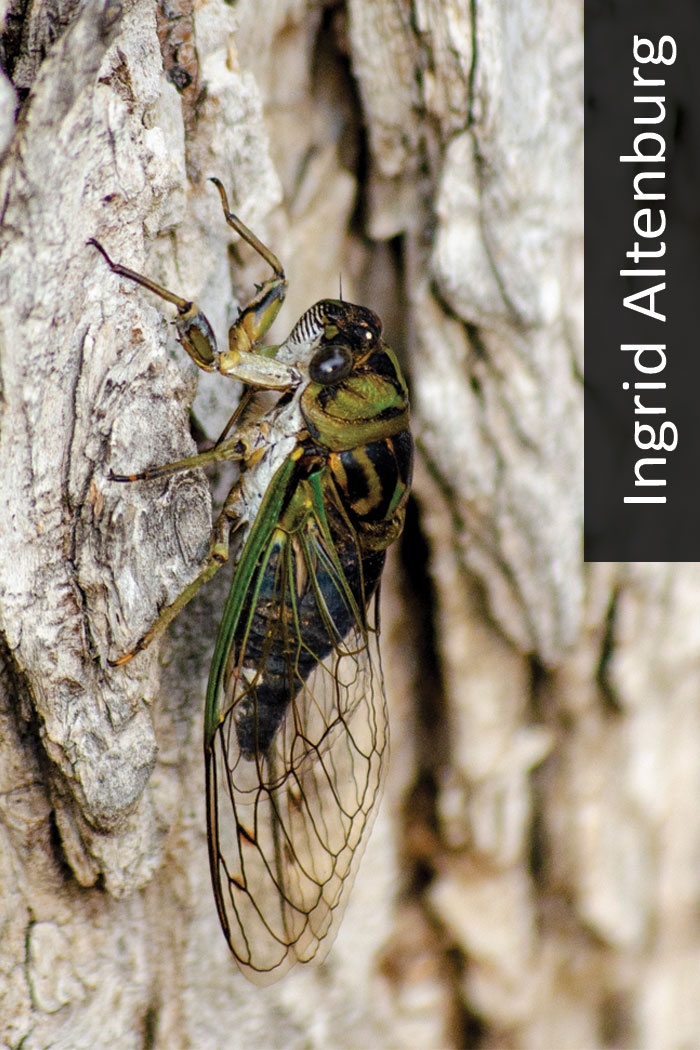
{"points": [[331, 363]]}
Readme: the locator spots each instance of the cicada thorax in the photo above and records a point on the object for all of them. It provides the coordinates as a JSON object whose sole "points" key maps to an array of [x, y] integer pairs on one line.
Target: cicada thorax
{"points": [[363, 421]]}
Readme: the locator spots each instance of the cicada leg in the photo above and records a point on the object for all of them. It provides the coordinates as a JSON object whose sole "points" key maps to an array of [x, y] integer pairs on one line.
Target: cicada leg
{"points": [[193, 328], [243, 359], [235, 448], [218, 556], [254, 319]]}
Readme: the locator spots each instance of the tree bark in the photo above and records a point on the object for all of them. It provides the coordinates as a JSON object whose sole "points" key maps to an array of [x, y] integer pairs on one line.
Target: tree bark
{"points": [[532, 879]]}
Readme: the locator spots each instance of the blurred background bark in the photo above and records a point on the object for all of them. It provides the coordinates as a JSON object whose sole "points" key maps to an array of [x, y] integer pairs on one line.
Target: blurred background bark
{"points": [[533, 879]]}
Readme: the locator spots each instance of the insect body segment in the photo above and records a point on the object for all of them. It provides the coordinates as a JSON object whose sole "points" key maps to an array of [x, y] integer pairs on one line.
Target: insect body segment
{"points": [[295, 722]]}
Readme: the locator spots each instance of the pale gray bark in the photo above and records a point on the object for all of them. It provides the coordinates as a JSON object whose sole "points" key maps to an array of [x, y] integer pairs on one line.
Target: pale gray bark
{"points": [[533, 878]]}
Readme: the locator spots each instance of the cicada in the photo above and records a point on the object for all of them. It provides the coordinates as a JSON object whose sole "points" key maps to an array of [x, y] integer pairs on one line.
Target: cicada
{"points": [[295, 726]]}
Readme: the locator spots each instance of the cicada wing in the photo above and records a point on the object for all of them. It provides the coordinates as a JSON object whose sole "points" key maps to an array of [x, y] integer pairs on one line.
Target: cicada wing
{"points": [[294, 771]]}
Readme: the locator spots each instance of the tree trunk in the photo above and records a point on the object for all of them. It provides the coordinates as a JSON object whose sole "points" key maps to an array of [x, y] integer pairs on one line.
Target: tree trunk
{"points": [[532, 879]]}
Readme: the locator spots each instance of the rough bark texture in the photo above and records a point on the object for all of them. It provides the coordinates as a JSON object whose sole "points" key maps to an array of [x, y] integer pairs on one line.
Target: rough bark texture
{"points": [[533, 880]]}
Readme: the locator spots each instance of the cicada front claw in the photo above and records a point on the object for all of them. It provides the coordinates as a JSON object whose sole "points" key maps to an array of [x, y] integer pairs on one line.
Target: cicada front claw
{"points": [[193, 328], [258, 371]]}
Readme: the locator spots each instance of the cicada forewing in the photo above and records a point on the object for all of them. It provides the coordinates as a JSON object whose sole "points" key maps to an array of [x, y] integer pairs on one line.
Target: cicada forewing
{"points": [[295, 762]]}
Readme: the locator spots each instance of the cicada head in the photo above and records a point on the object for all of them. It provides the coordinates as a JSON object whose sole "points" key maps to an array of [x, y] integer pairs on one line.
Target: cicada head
{"points": [[354, 390], [330, 322]]}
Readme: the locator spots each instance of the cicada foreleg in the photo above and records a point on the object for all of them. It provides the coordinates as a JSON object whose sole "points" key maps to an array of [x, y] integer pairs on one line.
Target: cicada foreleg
{"points": [[254, 319], [243, 359], [193, 328]]}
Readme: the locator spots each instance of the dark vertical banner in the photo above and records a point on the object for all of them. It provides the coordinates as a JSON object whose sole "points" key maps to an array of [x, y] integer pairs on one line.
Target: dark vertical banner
{"points": [[642, 269]]}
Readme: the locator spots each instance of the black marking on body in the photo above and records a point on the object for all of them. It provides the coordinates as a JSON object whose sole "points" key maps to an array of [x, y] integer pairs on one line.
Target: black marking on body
{"points": [[370, 475]]}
